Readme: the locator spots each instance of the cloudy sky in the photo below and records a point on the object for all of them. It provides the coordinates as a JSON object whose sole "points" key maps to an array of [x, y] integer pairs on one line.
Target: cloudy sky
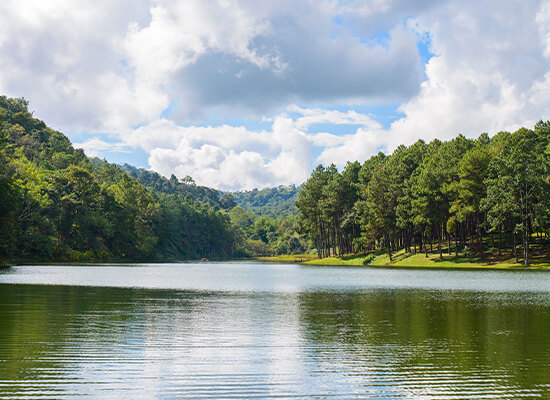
{"points": [[251, 93]]}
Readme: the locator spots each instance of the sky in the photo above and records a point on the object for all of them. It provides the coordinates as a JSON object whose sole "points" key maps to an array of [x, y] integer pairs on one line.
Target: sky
{"points": [[250, 93]]}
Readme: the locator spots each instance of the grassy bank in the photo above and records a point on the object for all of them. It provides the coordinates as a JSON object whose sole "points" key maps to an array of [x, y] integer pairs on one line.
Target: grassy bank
{"points": [[419, 260], [402, 259]]}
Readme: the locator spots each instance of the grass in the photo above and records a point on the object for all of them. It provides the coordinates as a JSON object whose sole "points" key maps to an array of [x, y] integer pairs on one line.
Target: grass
{"points": [[539, 256], [402, 259], [539, 259]]}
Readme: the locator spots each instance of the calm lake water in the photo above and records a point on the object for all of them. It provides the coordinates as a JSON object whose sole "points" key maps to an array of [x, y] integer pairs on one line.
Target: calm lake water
{"points": [[237, 330]]}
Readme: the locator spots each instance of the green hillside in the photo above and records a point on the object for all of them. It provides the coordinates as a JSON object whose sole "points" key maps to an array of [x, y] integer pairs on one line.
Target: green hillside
{"points": [[56, 204], [272, 202]]}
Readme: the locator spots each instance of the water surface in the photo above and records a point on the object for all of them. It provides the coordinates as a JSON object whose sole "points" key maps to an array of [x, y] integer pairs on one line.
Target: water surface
{"points": [[236, 330]]}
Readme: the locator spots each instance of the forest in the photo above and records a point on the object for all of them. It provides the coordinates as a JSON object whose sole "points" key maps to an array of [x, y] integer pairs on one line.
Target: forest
{"points": [[56, 204], [459, 196], [481, 197]]}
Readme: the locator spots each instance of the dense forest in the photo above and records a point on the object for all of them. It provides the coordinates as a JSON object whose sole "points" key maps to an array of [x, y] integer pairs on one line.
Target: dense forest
{"points": [[264, 221], [185, 187], [56, 204], [427, 197]]}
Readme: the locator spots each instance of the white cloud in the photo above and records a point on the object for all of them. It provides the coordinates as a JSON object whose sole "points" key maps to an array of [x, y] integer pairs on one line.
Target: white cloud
{"points": [[66, 58], [231, 158], [490, 72], [103, 66], [317, 115], [92, 147], [106, 67], [227, 157]]}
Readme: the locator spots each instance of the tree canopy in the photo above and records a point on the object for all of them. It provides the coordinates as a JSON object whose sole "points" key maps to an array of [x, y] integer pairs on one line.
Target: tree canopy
{"points": [[458, 190]]}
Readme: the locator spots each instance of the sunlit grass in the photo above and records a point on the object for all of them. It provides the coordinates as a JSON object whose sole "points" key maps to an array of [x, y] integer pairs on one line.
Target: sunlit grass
{"points": [[402, 259], [539, 258]]}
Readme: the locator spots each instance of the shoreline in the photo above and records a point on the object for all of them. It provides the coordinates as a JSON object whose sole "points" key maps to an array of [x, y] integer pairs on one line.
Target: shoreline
{"points": [[414, 261], [409, 261]]}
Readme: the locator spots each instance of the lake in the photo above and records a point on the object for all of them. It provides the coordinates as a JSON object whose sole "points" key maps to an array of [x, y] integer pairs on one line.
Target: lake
{"points": [[250, 330]]}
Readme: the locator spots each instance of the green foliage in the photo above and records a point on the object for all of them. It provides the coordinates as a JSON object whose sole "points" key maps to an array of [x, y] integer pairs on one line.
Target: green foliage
{"points": [[455, 191], [56, 204], [271, 202], [184, 187], [278, 235], [518, 187]]}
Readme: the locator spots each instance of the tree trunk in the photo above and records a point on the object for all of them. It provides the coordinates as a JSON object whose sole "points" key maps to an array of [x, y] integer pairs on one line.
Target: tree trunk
{"points": [[456, 239], [439, 231], [499, 239], [525, 244], [449, 243], [463, 231], [425, 246], [479, 239], [389, 248], [515, 250]]}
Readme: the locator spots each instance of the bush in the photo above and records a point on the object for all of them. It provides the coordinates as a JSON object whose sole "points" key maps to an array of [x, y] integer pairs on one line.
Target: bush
{"points": [[369, 258]]}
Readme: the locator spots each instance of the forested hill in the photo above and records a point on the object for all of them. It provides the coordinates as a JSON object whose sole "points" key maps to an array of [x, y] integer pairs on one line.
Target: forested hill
{"points": [[272, 202], [58, 205], [185, 187]]}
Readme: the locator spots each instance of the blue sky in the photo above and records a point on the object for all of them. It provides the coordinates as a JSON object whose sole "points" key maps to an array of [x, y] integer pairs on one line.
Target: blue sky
{"points": [[245, 94]]}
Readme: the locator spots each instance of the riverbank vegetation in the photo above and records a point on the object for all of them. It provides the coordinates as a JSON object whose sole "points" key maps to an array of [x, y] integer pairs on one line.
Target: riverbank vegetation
{"points": [[487, 198]]}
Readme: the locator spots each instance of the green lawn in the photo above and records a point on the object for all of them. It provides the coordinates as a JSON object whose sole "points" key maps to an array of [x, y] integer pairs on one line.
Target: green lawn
{"points": [[539, 258], [402, 259]]}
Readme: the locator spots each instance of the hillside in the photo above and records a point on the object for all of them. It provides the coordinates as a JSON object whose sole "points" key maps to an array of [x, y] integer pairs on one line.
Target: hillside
{"points": [[56, 204], [272, 202], [184, 187]]}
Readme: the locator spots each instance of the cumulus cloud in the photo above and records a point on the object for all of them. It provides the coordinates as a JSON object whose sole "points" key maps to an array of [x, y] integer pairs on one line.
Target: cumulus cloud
{"points": [[66, 58], [227, 157], [490, 71], [233, 158], [317, 115], [117, 67], [110, 66]]}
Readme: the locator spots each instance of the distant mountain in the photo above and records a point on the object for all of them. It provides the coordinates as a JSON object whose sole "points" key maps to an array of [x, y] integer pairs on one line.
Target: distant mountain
{"points": [[185, 187], [272, 202]]}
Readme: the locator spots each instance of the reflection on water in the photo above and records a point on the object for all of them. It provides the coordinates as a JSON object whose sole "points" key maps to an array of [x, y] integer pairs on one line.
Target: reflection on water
{"points": [[404, 341]]}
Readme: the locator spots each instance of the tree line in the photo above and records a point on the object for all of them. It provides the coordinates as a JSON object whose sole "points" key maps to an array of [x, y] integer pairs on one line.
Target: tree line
{"points": [[454, 195]]}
